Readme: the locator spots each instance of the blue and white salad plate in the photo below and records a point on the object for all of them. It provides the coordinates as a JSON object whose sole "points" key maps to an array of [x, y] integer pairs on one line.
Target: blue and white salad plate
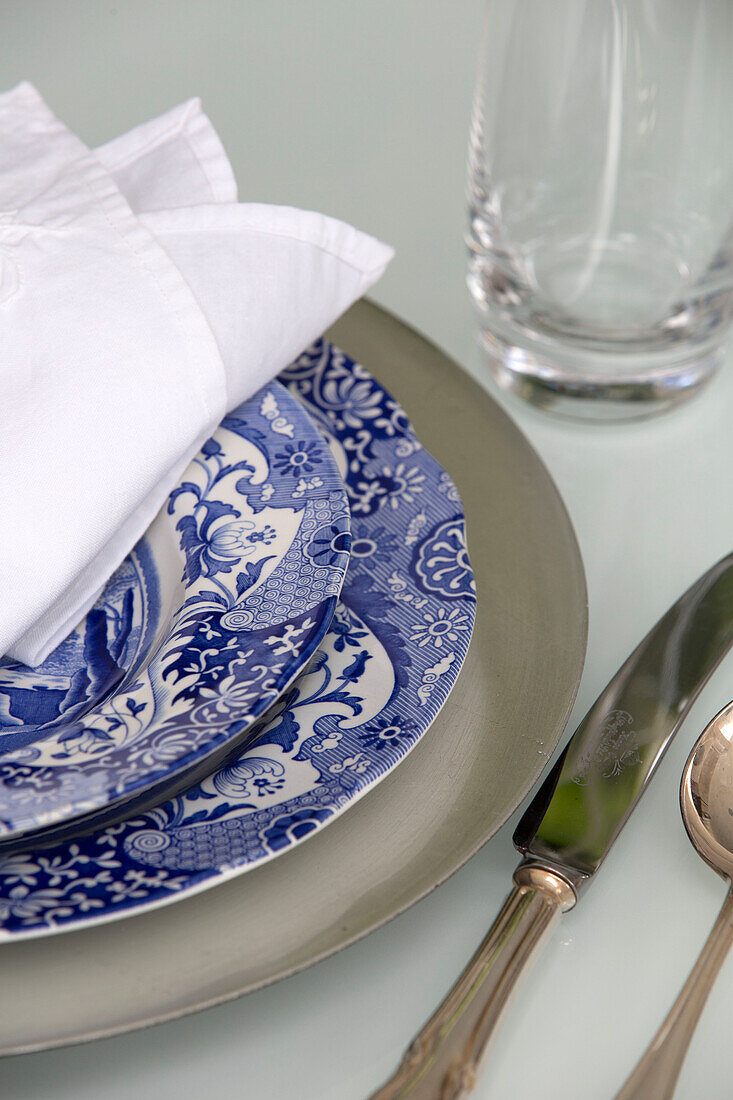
{"points": [[201, 629], [380, 675]]}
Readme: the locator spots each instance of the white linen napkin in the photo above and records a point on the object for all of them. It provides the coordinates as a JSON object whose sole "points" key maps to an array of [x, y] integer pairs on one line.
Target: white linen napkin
{"points": [[173, 160], [129, 337]]}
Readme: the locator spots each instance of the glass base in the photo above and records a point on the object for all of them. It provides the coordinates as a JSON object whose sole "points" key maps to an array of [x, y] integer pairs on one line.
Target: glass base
{"points": [[597, 393]]}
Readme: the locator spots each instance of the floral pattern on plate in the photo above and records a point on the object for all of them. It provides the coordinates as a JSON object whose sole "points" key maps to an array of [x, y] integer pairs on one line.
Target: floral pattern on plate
{"points": [[203, 626], [379, 677]]}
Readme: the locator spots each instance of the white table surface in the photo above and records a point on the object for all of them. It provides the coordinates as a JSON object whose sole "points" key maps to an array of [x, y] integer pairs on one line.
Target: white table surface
{"points": [[360, 108]]}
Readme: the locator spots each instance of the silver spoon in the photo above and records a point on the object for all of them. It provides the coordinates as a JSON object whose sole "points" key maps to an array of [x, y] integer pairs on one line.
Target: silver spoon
{"points": [[706, 799]]}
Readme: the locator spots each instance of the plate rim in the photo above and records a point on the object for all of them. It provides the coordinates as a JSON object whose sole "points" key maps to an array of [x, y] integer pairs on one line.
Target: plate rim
{"points": [[363, 322]]}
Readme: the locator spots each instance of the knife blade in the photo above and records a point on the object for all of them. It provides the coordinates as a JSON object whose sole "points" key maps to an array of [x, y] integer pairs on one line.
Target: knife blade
{"points": [[570, 825]]}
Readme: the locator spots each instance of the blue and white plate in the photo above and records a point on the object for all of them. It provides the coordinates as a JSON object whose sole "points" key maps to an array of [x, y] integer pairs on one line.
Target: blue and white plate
{"points": [[392, 653], [202, 628]]}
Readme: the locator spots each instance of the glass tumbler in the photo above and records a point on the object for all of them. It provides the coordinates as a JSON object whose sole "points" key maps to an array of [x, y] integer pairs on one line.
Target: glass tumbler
{"points": [[600, 187]]}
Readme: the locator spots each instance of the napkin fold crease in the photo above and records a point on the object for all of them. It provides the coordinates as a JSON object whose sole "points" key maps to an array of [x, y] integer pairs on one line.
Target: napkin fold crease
{"points": [[143, 303]]}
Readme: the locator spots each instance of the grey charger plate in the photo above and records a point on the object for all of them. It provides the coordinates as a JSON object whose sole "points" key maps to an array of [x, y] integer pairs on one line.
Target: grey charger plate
{"points": [[502, 721]]}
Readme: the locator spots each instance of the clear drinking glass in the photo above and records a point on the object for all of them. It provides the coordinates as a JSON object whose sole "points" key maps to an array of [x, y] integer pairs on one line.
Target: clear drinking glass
{"points": [[601, 199]]}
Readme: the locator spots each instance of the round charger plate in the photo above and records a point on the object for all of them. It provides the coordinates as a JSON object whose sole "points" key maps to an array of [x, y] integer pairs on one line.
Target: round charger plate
{"points": [[514, 694]]}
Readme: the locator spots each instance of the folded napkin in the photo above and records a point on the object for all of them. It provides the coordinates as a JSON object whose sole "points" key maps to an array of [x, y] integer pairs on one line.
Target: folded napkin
{"points": [[138, 302], [174, 160]]}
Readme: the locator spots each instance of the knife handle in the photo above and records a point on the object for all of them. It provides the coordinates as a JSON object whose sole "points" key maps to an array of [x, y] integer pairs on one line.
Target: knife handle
{"points": [[442, 1062]]}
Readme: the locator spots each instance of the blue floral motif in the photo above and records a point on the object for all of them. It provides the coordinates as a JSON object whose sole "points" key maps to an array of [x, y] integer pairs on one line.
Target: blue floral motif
{"points": [[253, 775], [441, 563], [373, 542], [206, 551], [441, 628], [375, 682], [387, 731], [346, 629], [299, 458], [329, 540]]}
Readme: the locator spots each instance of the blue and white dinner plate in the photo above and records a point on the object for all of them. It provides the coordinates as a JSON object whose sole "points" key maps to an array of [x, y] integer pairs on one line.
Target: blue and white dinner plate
{"points": [[202, 628], [378, 679]]}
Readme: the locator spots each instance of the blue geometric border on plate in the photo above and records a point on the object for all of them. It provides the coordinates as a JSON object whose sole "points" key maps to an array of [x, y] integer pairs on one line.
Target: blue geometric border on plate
{"points": [[394, 649]]}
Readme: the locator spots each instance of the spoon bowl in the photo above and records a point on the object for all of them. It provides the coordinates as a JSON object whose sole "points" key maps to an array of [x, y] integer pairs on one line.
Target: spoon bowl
{"points": [[706, 801], [706, 793]]}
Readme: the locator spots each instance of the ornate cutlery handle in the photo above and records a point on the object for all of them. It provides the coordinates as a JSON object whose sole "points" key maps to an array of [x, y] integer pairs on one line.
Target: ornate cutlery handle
{"points": [[656, 1073], [442, 1062]]}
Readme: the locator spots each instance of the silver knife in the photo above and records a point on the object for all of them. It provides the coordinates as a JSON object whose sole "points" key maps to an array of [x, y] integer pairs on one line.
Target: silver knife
{"points": [[569, 827]]}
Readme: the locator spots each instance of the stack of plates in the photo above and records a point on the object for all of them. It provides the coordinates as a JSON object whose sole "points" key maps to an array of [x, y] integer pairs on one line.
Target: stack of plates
{"points": [[281, 639], [221, 702], [200, 630]]}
